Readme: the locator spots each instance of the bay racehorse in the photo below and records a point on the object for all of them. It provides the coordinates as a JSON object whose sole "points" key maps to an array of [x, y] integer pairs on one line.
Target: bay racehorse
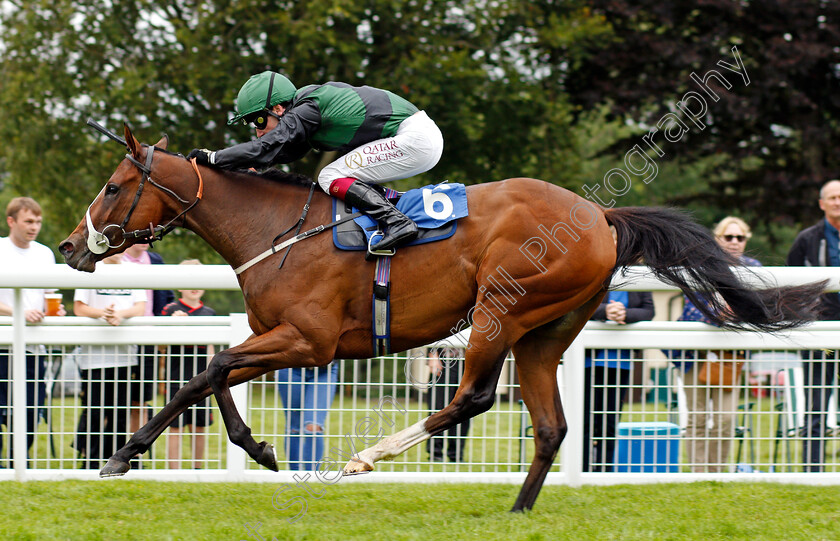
{"points": [[526, 269]]}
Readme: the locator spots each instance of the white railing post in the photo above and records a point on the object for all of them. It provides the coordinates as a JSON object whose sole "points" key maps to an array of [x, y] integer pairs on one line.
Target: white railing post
{"points": [[236, 456], [573, 382], [18, 374]]}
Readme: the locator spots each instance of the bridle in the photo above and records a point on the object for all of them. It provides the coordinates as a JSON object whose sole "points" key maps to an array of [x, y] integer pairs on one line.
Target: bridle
{"points": [[98, 242]]}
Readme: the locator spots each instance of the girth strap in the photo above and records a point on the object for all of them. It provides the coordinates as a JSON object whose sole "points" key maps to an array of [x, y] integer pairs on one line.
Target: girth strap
{"points": [[382, 307]]}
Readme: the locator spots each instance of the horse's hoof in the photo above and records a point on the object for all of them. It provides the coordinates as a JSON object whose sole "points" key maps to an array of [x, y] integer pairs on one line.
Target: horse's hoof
{"points": [[356, 467], [114, 468], [267, 457]]}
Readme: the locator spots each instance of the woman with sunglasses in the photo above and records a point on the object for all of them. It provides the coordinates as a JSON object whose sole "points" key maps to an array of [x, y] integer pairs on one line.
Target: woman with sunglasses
{"points": [[378, 135], [732, 234], [713, 406]]}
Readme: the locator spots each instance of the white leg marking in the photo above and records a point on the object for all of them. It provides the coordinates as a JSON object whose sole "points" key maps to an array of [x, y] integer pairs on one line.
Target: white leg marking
{"points": [[388, 448]]}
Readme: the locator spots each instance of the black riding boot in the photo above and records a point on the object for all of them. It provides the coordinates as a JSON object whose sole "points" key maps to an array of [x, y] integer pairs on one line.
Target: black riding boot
{"points": [[399, 229]]}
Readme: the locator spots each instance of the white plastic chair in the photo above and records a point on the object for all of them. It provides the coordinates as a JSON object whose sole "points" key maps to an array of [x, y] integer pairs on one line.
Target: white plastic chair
{"points": [[678, 408], [792, 411]]}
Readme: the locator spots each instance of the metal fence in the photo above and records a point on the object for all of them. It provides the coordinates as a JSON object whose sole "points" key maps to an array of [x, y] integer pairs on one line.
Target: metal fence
{"points": [[658, 437]]}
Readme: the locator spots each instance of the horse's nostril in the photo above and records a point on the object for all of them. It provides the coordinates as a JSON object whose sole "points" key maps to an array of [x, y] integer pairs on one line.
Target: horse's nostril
{"points": [[66, 249]]}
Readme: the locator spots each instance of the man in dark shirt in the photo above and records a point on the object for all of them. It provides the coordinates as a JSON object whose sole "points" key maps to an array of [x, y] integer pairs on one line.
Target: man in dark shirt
{"points": [[819, 245]]}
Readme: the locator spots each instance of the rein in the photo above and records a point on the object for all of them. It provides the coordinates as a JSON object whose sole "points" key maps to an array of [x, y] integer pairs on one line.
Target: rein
{"points": [[299, 223]]}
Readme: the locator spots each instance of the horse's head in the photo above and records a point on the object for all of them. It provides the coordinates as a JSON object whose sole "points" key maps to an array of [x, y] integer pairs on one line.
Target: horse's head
{"points": [[122, 210]]}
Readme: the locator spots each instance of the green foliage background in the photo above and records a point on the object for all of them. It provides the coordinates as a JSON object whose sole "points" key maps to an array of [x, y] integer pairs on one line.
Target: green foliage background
{"points": [[553, 90]]}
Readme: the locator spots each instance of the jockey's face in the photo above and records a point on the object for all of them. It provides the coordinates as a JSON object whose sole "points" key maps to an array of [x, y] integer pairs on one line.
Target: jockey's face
{"points": [[272, 121]]}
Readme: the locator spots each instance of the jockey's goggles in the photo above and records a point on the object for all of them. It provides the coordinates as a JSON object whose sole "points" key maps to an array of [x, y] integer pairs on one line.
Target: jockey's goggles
{"points": [[260, 119]]}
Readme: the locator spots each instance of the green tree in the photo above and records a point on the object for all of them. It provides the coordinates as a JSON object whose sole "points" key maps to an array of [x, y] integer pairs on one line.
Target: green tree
{"points": [[174, 66], [776, 135]]}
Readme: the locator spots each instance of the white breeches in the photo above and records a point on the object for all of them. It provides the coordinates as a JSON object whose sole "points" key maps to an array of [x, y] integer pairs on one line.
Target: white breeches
{"points": [[415, 149]]}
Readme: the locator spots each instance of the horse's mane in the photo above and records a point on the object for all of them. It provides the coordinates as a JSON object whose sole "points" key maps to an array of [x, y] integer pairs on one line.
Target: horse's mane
{"points": [[277, 175], [272, 174]]}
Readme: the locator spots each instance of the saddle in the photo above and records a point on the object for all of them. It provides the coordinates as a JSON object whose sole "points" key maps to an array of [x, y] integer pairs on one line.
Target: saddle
{"points": [[433, 208]]}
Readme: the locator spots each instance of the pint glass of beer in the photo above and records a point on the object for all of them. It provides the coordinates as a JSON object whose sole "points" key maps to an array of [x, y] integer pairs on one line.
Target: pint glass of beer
{"points": [[53, 303]]}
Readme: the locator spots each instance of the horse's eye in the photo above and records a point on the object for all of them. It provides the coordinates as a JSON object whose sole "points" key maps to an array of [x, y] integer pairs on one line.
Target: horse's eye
{"points": [[111, 189]]}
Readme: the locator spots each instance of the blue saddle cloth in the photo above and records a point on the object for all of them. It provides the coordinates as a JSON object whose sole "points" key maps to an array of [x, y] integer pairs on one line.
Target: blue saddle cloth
{"points": [[433, 208]]}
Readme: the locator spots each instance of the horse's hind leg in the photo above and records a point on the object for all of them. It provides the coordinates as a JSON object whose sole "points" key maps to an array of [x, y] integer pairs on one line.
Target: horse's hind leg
{"points": [[476, 394], [194, 391], [537, 355]]}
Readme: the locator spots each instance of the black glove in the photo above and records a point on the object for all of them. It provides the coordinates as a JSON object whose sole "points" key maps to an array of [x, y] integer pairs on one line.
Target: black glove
{"points": [[202, 156]]}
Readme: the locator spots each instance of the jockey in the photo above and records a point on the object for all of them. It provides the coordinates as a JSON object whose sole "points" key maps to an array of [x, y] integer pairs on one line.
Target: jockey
{"points": [[379, 135]]}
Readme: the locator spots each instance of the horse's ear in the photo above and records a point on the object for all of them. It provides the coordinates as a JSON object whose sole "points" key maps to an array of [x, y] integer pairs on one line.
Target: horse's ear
{"points": [[163, 143], [130, 141]]}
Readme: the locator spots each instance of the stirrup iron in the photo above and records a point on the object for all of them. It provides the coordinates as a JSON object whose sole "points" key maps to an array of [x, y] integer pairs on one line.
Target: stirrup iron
{"points": [[373, 252]]}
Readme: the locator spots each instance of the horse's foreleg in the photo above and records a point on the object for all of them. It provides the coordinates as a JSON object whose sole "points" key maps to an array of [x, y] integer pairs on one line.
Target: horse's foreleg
{"points": [[238, 432], [282, 347], [194, 391]]}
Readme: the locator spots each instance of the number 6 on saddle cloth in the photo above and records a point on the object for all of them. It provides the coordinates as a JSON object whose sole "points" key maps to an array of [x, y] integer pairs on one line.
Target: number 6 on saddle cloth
{"points": [[433, 208]]}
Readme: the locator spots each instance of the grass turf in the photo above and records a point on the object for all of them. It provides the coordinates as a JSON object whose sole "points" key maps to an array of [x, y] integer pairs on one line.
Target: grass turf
{"points": [[120, 509]]}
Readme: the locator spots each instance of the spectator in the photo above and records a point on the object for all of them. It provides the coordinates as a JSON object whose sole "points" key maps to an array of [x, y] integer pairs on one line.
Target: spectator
{"points": [[307, 394], [713, 405], [20, 250], [607, 375], [817, 246], [156, 299], [106, 372], [446, 365], [143, 373], [184, 363]]}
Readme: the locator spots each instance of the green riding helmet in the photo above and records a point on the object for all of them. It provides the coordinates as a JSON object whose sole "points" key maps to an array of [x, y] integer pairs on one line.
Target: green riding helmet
{"points": [[262, 91]]}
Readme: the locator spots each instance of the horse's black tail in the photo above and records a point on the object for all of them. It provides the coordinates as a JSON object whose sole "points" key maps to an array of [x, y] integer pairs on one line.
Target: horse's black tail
{"points": [[682, 253]]}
